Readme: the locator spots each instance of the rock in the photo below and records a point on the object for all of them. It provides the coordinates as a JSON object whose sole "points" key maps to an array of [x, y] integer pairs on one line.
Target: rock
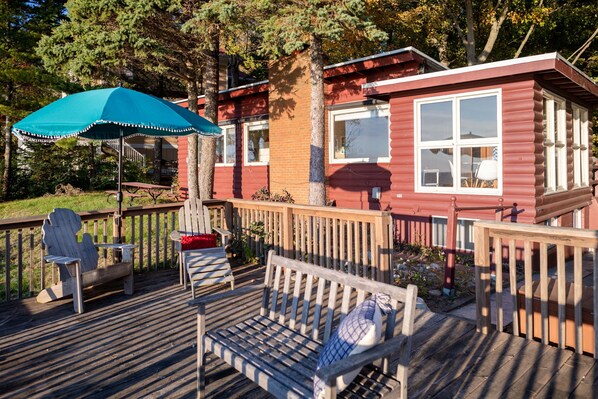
{"points": [[435, 292]]}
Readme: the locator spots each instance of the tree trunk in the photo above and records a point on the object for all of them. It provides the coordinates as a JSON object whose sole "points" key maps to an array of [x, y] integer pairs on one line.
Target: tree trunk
{"points": [[208, 145], [470, 42], [494, 31], [317, 175], [157, 160], [192, 161], [6, 178]]}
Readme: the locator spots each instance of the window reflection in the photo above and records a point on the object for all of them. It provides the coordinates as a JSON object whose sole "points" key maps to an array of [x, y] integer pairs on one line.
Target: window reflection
{"points": [[437, 167], [437, 121]]}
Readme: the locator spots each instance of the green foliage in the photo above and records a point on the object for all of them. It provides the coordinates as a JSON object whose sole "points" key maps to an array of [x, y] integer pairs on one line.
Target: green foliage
{"points": [[286, 26], [43, 166], [263, 194], [240, 246]]}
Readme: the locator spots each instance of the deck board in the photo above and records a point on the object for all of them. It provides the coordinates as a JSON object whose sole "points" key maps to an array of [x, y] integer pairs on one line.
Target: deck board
{"points": [[144, 346]]}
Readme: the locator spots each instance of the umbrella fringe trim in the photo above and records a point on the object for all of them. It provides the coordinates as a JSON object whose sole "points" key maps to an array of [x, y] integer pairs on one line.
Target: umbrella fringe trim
{"points": [[25, 135]]}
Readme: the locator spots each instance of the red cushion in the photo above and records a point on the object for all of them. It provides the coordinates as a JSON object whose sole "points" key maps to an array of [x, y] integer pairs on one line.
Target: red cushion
{"points": [[200, 241]]}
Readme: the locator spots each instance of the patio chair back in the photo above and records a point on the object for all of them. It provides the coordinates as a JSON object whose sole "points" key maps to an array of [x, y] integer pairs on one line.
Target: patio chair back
{"points": [[59, 234], [194, 218]]}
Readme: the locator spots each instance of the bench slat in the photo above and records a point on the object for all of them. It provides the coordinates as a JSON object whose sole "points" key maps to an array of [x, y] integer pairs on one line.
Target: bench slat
{"points": [[295, 305]]}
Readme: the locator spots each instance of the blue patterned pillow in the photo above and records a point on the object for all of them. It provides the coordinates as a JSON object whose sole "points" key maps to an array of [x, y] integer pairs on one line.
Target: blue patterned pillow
{"points": [[359, 331]]}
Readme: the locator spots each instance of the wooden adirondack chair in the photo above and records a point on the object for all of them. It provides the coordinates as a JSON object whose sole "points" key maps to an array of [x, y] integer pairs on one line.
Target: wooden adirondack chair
{"points": [[78, 261], [202, 266]]}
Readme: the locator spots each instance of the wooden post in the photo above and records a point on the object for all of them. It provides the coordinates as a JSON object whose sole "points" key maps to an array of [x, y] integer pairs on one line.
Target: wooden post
{"points": [[482, 282], [499, 210], [451, 249], [228, 216], [287, 231], [383, 248]]}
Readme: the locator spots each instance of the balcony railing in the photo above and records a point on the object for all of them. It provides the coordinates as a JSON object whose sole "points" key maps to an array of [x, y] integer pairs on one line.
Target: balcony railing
{"points": [[358, 242], [552, 304]]}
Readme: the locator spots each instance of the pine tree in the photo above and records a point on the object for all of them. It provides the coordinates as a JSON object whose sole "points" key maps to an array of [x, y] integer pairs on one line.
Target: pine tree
{"points": [[294, 25]]}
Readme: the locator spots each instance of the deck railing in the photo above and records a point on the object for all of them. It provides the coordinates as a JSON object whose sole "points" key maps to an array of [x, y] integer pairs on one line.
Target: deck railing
{"points": [[21, 255], [356, 241], [533, 310]]}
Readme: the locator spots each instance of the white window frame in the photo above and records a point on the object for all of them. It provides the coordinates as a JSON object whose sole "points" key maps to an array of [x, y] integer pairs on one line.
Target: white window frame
{"points": [[246, 127], [581, 161], [460, 228], [228, 130], [456, 143], [384, 110], [555, 142]]}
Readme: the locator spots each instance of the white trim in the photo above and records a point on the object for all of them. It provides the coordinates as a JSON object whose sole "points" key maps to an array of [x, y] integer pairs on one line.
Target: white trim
{"points": [[246, 127], [556, 135], [456, 143], [388, 53], [225, 129], [580, 139], [383, 109], [459, 219], [457, 71]]}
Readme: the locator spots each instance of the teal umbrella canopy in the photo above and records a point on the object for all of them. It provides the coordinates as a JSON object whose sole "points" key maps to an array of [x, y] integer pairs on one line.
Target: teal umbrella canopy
{"points": [[105, 114], [110, 114]]}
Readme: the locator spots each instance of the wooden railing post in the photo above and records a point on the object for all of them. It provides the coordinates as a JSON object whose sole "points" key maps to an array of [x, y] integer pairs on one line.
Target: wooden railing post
{"points": [[499, 211], [482, 273], [287, 231], [383, 248], [228, 216], [451, 249]]}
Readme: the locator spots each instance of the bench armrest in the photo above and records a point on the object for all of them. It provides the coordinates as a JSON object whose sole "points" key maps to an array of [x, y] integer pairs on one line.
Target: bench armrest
{"points": [[61, 260], [388, 348], [225, 295]]}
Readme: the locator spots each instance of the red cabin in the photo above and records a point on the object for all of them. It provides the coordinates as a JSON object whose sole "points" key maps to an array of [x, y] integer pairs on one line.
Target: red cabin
{"points": [[405, 134]]}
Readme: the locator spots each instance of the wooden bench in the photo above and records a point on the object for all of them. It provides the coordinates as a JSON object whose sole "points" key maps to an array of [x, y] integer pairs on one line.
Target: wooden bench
{"points": [[278, 348]]}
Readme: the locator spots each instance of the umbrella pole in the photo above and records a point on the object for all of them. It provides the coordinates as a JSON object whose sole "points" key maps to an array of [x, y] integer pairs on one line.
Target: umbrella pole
{"points": [[119, 196]]}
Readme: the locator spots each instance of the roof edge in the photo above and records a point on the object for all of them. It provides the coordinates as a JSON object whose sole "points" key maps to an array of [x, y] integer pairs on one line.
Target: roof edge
{"points": [[473, 68], [386, 54]]}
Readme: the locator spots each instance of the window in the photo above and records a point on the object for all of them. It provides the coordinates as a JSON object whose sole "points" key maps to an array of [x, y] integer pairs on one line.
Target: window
{"points": [[226, 147], [360, 135], [257, 143], [464, 232], [555, 149], [458, 143], [581, 176]]}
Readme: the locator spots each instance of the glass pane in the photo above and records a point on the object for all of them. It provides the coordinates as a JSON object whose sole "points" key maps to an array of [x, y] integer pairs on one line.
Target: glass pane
{"points": [[219, 157], [258, 144], [436, 120], [479, 167], [365, 136], [230, 146], [478, 118], [436, 167]]}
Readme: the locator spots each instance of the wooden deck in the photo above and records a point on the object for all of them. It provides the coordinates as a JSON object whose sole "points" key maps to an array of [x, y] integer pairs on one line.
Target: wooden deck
{"points": [[144, 346]]}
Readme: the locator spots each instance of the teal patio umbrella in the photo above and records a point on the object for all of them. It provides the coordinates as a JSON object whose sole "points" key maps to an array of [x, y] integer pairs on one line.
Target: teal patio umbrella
{"points": [[112, 114]]}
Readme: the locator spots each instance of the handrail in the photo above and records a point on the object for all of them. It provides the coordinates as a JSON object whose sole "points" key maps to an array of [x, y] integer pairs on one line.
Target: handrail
{"points": [[451, 239], [543, 247]]}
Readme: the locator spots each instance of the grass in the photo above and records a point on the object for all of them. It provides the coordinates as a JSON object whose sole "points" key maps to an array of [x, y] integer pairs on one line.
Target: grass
{"points": [[79, 203], [43, 206]]}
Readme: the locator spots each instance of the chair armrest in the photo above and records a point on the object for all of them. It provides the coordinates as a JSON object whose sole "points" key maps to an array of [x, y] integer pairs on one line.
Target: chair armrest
{"points": [[61, 260], [126, 249], [175, 235], [225, 295], [388, 348], [222, 232], [116, 246]]}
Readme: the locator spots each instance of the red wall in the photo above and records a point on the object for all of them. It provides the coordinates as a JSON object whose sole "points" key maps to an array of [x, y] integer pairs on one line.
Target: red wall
{"points": [[522, 163], [237, 181], [414, 210]]}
